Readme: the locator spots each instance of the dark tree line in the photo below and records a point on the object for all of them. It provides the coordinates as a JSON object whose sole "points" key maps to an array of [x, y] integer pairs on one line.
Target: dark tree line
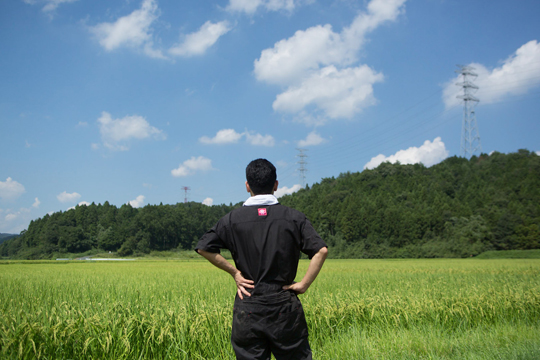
{"points": [[125, 230], [457, 208]]}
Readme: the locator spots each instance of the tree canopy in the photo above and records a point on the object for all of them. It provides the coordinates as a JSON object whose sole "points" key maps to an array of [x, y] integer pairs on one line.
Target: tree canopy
{"points": [[457, 208]]}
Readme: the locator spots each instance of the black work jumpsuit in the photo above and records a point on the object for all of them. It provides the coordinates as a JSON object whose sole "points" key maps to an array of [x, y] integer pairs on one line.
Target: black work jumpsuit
{"points": [[265, 242]]}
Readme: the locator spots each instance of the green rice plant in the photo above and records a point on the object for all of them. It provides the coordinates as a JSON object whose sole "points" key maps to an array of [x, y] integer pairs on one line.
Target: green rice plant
{"points": [[373, 309]]}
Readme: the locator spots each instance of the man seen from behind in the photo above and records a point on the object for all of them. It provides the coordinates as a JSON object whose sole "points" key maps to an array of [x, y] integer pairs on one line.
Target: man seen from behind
{"points": [[265, 239]]}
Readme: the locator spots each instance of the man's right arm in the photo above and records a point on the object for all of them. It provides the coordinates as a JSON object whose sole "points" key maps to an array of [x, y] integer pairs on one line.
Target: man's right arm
{"points": [[314, 267], [220, 262]]}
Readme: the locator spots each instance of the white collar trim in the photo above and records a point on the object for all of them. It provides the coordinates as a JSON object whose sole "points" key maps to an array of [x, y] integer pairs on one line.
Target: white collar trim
{"points": [[258, 200]]}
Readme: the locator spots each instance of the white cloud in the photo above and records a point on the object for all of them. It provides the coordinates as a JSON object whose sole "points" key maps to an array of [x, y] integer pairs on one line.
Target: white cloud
{"points": [[66, 197], [225, 136], [247, 6], [312, 139], [208, 201], [136, 31], [315, 65], [276, 5], [82, 203], [339, 93], [428, 154], [320, 46], [116, 132], [198, 42], [230, 136], [259, 140], [11, 217], [14, 222], [138, 202], [133, 30], [290, 59], [10, 189], [50, 5], [283, 190], [191, 166], [82, 124], [518, 74], [251, 6], [53, 4]]}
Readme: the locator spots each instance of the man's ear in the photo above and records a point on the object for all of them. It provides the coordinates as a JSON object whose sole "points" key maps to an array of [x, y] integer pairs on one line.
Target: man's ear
{"points": [[248, 188], [275, 186]]}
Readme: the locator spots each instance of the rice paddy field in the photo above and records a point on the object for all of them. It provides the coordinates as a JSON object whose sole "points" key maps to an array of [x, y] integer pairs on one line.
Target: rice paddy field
{"points": [[356, 309]]}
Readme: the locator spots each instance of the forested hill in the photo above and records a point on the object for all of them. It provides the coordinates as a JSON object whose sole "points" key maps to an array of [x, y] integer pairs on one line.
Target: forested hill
{"points": [[457, 208]]}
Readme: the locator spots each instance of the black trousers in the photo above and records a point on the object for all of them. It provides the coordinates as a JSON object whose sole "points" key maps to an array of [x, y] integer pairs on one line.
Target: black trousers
{"points": [[270, 324]]}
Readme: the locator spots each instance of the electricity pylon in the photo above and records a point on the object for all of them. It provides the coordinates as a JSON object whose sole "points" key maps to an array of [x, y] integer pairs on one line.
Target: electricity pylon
{"points": [[302, 169], [186, 189], [470, 137]]}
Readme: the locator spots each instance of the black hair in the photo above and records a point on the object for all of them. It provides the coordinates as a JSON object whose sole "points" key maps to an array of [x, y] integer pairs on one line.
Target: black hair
{"points": [[261, 176]]}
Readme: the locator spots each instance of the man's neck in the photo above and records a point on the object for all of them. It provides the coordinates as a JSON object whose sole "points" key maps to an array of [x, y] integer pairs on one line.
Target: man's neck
{"points": [[261, 199]]}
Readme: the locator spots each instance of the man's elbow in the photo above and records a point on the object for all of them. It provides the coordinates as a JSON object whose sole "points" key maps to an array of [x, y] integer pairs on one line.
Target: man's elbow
{"points": [[323, 252], [210, 256], [203, 253]]}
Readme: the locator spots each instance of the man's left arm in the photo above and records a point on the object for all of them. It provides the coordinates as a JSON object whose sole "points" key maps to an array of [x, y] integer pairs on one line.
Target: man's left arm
{"points": [[220, 262], [314, 267]]}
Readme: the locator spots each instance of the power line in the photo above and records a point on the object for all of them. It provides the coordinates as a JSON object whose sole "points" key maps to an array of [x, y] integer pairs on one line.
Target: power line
{"points": [[350, 145], [415, 122]]}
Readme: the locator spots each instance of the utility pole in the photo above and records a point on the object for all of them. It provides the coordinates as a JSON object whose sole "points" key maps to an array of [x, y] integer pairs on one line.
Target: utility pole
{"points": [[186, 189], [470, 137], [302, 162]]}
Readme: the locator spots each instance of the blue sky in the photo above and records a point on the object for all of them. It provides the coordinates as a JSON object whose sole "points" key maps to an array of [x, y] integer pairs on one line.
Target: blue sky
{"points": [[128, 101]]}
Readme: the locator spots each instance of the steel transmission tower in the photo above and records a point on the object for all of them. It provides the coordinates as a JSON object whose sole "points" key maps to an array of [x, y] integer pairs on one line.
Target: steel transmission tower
{"points": [[470, 137], [302, 162], [186, 189]]}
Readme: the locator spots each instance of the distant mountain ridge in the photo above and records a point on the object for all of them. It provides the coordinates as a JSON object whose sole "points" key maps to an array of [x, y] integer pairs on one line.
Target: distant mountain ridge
{"points": [[4, 237]]}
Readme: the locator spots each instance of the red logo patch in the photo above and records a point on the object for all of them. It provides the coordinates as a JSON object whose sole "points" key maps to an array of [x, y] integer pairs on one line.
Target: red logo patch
{"points": [[262, 212]]}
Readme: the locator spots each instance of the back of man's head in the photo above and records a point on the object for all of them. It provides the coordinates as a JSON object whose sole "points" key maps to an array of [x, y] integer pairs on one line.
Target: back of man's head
{"points": [[261, 176]]}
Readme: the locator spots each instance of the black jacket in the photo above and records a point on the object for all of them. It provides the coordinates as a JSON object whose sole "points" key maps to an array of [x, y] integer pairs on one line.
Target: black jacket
{"points": [[265, 242]]}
